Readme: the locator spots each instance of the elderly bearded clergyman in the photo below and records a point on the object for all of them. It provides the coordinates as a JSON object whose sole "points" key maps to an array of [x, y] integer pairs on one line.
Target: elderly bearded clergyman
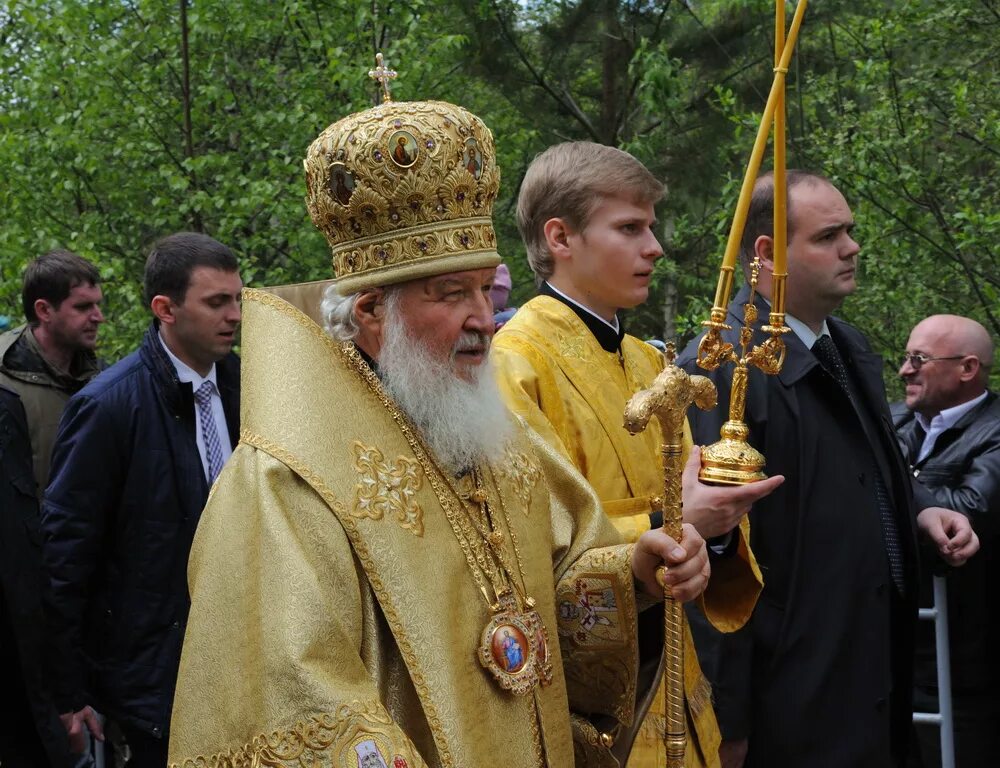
{"points": [[371, 583]]}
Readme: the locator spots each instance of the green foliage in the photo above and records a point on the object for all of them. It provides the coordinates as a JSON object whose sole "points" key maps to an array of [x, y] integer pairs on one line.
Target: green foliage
{"points": [[904, 118], [98, 154], [899, 103]]}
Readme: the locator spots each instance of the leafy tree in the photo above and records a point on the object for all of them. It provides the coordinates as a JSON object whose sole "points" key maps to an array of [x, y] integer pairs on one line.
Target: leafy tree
{"points": [[638, 75], [906, 121], [898, 104], [123, 121]]}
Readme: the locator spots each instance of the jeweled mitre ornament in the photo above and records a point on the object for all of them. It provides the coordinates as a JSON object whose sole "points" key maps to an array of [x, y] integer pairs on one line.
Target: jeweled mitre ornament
{"points": [[404, 190]]}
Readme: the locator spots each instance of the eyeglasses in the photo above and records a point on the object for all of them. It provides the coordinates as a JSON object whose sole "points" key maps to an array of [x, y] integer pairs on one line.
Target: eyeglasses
{"points": [[917, 359]]}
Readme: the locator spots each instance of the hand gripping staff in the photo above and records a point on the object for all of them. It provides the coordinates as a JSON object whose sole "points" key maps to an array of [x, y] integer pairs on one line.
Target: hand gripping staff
{"points": [[668, 399]]}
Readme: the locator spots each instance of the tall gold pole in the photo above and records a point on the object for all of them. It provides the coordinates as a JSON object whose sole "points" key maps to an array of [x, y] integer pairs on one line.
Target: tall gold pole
{"points": [[668, 399], [724, 287], [732, 460], [777, 316]]}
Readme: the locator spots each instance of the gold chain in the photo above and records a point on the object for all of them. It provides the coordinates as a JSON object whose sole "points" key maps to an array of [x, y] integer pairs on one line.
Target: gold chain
{"points": [[536, 735], [513, 538], [492, 535], [490, 557]]}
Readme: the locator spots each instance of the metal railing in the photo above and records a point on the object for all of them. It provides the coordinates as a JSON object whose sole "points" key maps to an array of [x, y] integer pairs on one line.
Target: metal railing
{"points": [[942, 651]]}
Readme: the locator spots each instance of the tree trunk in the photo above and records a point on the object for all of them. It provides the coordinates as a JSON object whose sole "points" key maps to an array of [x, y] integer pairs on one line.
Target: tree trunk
{"points": [[670, 299], [196, 222], [611, 54]]}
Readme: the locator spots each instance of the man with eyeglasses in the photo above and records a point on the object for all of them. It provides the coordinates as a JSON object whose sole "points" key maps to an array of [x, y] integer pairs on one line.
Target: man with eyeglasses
{"points": [[949, 426], [822, 673]]}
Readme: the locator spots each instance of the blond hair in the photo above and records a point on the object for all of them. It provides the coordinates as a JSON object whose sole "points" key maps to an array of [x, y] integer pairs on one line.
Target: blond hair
{"points": [[568, 181]]}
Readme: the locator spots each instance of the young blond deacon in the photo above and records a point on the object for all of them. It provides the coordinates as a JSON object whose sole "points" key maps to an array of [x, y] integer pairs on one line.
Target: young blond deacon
{"points": [[564, 363]]}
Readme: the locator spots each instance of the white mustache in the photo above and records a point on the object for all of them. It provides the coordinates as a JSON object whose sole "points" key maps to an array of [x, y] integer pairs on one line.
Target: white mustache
{"points": [[470, 340]]}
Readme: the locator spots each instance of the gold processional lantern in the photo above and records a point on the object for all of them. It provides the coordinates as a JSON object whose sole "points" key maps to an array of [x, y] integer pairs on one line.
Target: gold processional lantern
{"points": [[732, 460]]}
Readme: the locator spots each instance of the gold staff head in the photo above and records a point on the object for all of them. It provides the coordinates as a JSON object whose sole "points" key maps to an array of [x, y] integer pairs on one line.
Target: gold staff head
{"points": [[668, 398]]}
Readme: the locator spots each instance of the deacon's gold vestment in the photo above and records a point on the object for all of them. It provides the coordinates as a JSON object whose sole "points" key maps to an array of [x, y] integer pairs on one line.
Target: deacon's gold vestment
{"points": [[335, 620], [553, 373]]}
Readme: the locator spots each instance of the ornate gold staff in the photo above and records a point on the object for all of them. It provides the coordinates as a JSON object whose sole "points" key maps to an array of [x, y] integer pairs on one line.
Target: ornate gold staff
{"points": [[732, 460], [668, 398]]}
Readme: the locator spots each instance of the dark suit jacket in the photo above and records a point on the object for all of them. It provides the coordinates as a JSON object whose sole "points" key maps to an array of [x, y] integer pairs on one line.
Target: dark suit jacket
{"points": [[821, 674]]}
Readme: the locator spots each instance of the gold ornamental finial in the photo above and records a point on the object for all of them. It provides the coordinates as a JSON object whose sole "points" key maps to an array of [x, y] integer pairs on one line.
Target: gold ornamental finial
{"points": [[669, 352], [668, 398], [382, 74]]}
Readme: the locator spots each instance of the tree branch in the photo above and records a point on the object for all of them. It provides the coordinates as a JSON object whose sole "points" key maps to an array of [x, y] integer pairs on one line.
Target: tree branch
{"points": [[564, 100]]}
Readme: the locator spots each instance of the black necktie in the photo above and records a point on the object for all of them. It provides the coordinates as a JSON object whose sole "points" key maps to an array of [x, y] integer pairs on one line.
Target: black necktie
{"points": [[829, 357]]}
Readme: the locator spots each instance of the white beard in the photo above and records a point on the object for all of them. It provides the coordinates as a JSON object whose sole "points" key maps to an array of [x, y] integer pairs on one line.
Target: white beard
{"points": [[463, 423]]}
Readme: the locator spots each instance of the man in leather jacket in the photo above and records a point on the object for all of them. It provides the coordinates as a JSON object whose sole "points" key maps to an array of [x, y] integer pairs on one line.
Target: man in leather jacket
{"points": [[950, 430]]}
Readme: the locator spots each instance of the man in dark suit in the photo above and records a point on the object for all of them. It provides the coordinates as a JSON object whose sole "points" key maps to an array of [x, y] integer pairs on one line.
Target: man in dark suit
{"points": [[821, 674], [137, 451], [950, 429]]}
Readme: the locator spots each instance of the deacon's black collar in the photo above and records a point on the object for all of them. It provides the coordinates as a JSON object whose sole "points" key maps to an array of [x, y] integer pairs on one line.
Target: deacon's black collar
{"points": [[609, 338]]}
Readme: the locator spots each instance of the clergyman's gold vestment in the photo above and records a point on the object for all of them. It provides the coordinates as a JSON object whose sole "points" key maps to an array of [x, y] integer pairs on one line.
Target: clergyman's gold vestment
{"points": [[334, 617], [553, 372]]}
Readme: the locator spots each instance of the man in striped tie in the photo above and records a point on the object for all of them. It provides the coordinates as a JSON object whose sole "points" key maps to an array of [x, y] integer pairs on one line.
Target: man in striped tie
{"points": [[136, 454]]}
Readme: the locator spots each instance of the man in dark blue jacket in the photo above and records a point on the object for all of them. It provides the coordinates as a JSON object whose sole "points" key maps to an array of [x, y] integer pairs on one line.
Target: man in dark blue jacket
{"points": [[136, 453]]}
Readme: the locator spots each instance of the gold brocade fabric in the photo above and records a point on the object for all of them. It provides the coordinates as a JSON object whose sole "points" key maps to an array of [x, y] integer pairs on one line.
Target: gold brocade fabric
{"points": [[334, 619], [553, 373]]}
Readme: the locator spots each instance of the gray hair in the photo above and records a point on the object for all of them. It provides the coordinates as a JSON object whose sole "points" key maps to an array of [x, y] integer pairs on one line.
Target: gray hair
{"points": [[338, 314], [338, 311]]}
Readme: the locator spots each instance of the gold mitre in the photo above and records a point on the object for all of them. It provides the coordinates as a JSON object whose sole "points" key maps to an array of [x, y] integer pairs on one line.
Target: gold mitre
{"points": [[404, 190]]}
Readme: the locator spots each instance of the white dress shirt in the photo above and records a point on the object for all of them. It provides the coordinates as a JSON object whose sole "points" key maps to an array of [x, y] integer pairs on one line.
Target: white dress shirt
{"points": [[946, 419], [806, 334], [185, 373]]}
